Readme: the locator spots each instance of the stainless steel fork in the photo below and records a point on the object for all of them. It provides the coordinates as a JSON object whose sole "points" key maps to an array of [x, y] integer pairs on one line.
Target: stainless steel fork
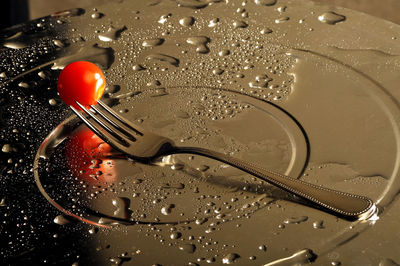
{"points": [[144, 146]]}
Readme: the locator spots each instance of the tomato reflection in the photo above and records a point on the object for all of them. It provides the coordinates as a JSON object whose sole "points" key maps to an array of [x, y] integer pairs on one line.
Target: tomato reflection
{"points": [[90, 158]]}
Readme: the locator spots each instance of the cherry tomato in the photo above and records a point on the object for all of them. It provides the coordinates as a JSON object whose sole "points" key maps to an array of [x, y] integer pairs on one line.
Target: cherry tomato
{"points": [[81, 81], [88, 157]]}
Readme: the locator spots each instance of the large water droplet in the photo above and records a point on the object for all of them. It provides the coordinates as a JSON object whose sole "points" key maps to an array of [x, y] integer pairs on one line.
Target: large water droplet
{"points": [[189, 248], [98, 55], [138, 67], [61, 220], [196, 4], [295, 220], [224, 52], [153, 42], [200, 42], [164, 58], [213, 22], [97, 15], [265, 2], [331, 18], [175, 235], [281, 20], [112, 34], [164, 18], [122, 204], [18, 41], [304, 256], [69, 13], [187, 21], [318, 224], [230, 258], [239, 24], [59, 43], [167, 210]]}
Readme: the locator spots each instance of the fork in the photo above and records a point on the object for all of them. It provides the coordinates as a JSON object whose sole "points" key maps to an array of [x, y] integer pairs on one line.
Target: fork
{"points": [[144, 146]]}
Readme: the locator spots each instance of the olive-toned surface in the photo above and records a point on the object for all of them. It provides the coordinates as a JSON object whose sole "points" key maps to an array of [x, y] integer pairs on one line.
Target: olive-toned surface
{"points": [[387, 9], [297, 87]]}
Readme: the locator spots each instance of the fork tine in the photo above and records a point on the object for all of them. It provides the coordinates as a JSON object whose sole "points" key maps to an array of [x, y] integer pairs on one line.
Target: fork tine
{"points": [[111, 133], [119, 126], [110, 140], [120, 118]]}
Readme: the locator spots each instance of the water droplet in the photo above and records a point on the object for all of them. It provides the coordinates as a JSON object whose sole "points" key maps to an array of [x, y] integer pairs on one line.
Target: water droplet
{"points": [[8, 148], [164, 58], [98, 55], [122, 204], [266, 31], [210, 260], [213, 22], [239, 24], [59, 43], [224, 52], [69, 13], [112, 34], [189, 248], [43, 74], [53, 102], [175, 235], [217, 71], [281, 20], [331, 18], [195, 4], [230, 258], [265, 2], [201, 221], [97, 15], [93, 231], [177, 166], [174, 186], [164, 18], [260, 82], [318, 224], [295, 220], [200, 42], [153, 83], [281, 9], [263, 247], [137, 181], [24, 85], [138, 67], [153, 42], [304, 256], [387, 262], [61, 220], [17, 41], [159, 92], [187, 21], [166, 210]]}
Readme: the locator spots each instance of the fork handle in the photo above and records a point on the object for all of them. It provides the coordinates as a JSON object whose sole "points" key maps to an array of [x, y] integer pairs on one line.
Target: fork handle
{"points": [[346, 205]]}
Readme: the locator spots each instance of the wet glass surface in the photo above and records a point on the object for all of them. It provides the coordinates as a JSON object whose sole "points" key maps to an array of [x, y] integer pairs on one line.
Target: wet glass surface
{"points": [[300, 89]]}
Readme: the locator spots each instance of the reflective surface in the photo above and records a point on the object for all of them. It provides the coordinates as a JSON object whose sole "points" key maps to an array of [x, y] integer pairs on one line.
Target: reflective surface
{"points": [[297, 87]]}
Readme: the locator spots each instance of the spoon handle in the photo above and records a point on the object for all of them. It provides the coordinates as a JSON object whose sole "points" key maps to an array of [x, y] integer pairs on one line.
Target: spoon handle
{"points": [[346, 205]]}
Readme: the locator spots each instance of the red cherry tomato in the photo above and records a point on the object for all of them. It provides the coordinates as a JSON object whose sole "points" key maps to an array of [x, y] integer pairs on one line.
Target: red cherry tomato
{"points": [[88, 157], [81, 81]]}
